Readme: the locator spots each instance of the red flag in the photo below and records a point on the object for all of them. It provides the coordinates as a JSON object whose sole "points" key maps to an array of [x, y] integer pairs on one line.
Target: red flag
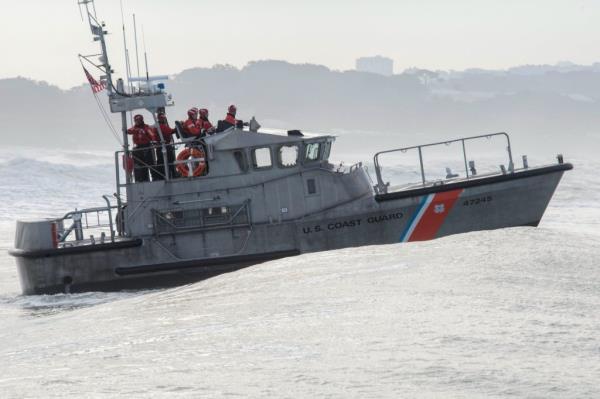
{"points": [[94, 84]]}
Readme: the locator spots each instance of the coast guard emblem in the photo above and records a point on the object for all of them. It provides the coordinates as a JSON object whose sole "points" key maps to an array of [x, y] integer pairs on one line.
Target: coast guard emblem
{"points": [[439, 208]]}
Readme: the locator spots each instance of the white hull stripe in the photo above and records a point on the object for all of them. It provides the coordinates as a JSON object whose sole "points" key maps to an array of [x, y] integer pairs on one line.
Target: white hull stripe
{"points": [[417, 218]]}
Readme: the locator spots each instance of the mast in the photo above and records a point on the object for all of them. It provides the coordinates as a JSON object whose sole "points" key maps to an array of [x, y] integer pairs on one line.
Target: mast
{"points": [[151, 98], [98, 33]]}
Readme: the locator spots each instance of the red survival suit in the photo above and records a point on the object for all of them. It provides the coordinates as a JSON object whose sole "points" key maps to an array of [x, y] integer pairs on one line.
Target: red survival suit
{"points": [[193, 127], [205, 125], [143, 136], [230, 119]]}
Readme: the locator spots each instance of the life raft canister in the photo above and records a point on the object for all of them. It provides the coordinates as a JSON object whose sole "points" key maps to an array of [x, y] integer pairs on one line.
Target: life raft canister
{"points": [[189, 157], [128, 164]]}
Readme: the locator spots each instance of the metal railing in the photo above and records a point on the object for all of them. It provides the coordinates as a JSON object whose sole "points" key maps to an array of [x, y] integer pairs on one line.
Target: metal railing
{"points": [[381, 186], [161, 163], [155, 162], [87, 220]]}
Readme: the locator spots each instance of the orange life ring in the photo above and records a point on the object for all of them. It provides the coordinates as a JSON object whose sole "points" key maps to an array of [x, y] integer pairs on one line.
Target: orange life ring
{"points": [[190, 156]]}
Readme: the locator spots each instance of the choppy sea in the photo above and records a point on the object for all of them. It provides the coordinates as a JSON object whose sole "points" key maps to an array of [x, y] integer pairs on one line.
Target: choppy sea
{"points": [[507, 313]]}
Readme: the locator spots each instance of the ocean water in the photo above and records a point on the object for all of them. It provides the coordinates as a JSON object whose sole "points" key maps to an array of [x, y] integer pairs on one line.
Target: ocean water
{"points": [[506, 313]]}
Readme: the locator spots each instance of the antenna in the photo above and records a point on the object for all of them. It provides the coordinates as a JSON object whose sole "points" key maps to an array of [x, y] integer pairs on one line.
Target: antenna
{"points": [[124, 41], [137, 58], [91, 16], [126, 51], [94, 7], [145, 54], [129, 82]]}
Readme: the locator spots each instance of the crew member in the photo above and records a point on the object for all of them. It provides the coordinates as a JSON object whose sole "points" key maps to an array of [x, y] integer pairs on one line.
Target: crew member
{"points": [[142, 151], [230, 120], [205, 125], [192, 125], [167, 134]]}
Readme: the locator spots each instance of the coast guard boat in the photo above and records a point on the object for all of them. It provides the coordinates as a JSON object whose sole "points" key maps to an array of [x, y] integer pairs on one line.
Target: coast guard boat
{"points": [[259, 197]]}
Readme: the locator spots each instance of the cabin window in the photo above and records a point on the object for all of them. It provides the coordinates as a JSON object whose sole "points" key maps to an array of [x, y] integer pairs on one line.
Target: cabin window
{"points": [[240, 158], [326, 150], [261, 157], [311, 186], [288, 156], [312, 152]]}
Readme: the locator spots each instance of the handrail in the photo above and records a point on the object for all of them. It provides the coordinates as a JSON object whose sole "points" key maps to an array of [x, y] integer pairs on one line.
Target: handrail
{"points": [[110, 221], [162, 169], [381, 187], [354, 167], [77, 225]]}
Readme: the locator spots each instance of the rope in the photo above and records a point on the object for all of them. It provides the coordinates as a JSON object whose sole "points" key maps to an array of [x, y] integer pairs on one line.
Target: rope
{"points": [[105, 114], [106, 118]]}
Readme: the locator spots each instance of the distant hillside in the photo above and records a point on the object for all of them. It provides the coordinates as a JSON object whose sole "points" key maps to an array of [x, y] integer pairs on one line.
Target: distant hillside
{"points": [[537, 104]]}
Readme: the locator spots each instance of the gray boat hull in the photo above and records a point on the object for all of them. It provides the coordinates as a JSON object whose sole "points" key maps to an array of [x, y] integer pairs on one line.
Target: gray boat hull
{"points": [[493, 202]]}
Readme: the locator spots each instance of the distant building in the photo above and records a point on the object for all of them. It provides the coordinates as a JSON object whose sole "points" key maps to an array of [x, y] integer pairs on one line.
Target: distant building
{"points": [[378, 64]]}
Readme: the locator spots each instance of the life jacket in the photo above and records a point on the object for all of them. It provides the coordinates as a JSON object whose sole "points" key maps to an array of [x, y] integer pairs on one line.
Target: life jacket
{"points": [[142, 135], [231, 119], [205, 124], [192, 127], [167, 133]]}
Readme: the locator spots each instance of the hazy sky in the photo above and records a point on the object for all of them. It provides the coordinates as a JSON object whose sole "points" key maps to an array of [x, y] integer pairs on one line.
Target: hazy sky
{"points": [[41, 38]]}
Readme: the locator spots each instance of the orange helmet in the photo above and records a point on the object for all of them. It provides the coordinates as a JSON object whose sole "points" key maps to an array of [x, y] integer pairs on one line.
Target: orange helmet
{"points": [[204, 112]]}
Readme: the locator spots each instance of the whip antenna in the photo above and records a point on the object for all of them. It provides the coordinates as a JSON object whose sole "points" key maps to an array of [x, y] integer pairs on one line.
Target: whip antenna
{"points": [[137, 58], [125, 50], [145, 54], [126, 53]]}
